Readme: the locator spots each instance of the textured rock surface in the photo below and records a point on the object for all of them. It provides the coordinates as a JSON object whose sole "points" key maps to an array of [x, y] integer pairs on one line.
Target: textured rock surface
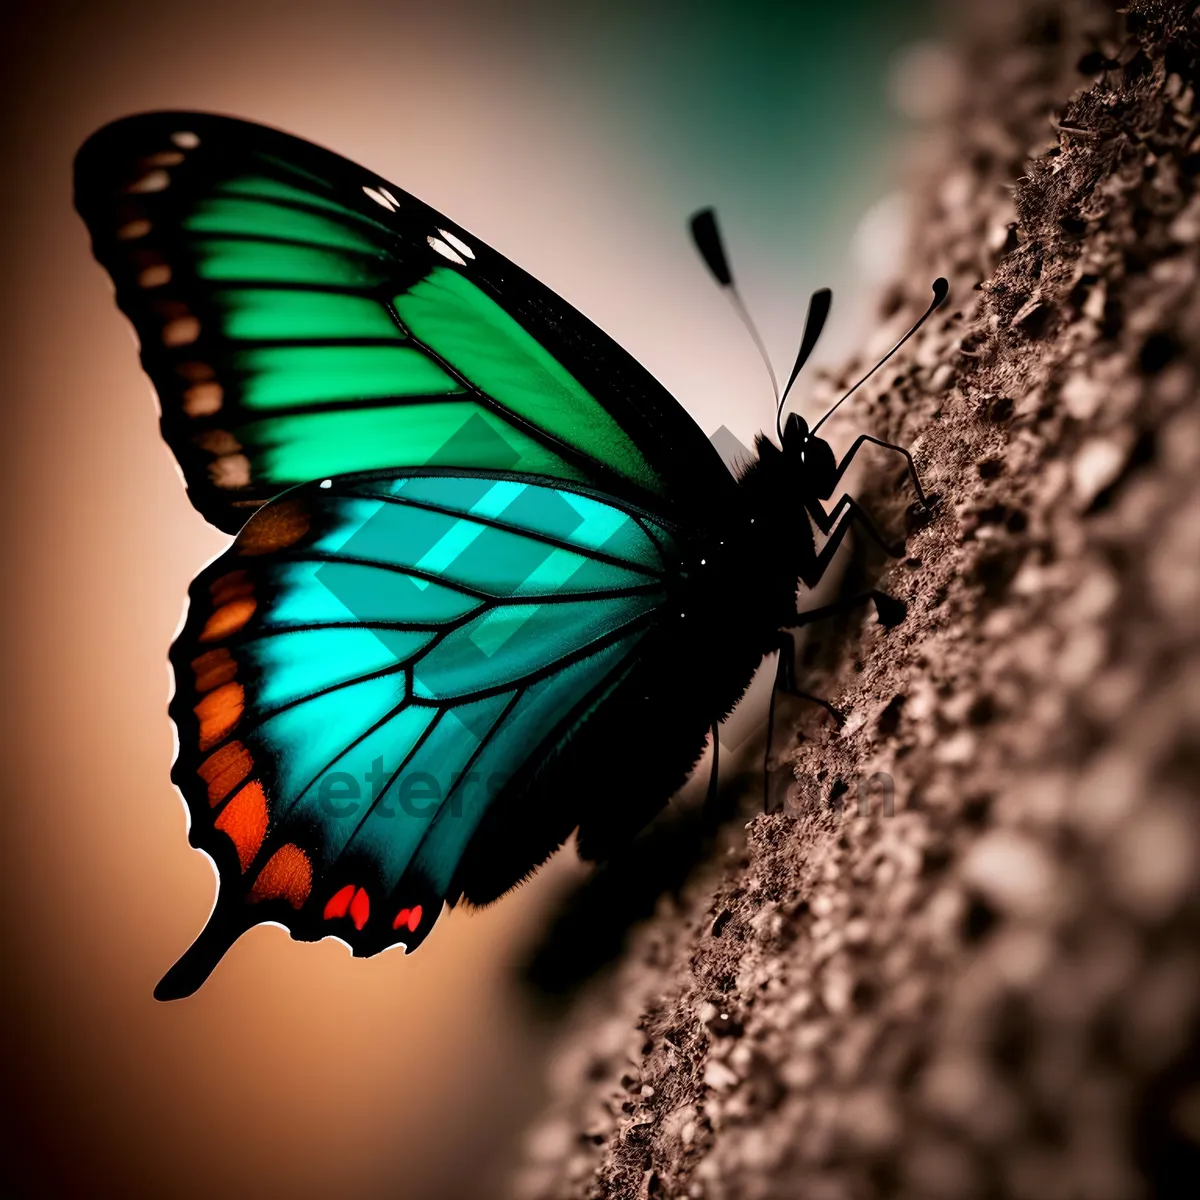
{"points": [[996, 989]]}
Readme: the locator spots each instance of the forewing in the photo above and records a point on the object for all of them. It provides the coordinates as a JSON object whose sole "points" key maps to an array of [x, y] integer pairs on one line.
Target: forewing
{"points": [[301, 318]]}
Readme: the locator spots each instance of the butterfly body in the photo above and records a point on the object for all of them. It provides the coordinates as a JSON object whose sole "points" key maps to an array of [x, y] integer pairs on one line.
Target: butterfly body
{"points": [[490, 584]]}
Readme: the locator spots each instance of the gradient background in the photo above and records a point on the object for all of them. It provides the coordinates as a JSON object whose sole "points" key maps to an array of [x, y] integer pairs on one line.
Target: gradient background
{"points": [[577, 143]]}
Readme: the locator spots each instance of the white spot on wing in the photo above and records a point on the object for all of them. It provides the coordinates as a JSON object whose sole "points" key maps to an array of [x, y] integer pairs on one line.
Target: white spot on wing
{"points": [[457, 243], [154, 275], [379, 198], [152, 181], [445, 251]]}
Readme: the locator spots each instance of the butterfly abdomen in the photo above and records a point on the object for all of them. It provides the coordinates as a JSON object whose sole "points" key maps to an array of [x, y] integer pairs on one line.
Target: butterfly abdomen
{"points": [[621, 766]]}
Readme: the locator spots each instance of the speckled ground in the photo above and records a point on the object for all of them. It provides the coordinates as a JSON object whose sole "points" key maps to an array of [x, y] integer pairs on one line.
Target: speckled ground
{"points": [[996, 989]]}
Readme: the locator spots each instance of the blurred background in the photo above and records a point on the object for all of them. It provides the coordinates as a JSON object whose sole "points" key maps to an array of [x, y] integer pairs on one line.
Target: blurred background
{"points": [[576, 140]]}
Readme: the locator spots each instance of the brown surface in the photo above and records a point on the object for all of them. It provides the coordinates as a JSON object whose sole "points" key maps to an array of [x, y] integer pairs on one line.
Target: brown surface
{"points": [[994, 991]]}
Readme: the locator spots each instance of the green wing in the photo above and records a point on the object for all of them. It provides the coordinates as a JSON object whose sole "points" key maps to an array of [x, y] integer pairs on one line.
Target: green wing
{"points": [[302, 318], [374, 663]]}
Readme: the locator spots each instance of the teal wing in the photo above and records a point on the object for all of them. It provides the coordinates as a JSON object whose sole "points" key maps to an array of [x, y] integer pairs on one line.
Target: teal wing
{"points": [[372, 664], [302, 318]]}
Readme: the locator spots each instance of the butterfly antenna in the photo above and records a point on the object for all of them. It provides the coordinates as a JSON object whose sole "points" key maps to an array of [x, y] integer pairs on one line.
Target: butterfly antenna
{"points": [[941, 289], [708, 241], [814, 322]]}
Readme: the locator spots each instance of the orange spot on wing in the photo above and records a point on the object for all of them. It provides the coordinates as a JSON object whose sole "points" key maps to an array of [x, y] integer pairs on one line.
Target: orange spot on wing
{"points": [[224, 769], [273, 528], [230, 471], [244, 819], [360, 908], [180, 332], [227, 619], [231, 587], [219, 712], [287, 875], [217, 441], [203, 399], [134, 229], [339, 903], [213, 668]]}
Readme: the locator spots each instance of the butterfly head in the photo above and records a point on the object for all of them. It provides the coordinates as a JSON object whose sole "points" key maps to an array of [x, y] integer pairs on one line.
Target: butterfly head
{"points": [[811, 458]]}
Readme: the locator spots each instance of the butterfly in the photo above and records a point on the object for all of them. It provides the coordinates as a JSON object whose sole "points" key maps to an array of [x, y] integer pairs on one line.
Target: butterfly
{"points": [[490, 585]]}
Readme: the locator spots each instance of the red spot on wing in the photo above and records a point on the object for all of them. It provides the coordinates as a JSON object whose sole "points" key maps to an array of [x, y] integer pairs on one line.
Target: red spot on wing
{"points": [[409, 917], [360, 908], [351, 901], [339, 902]]}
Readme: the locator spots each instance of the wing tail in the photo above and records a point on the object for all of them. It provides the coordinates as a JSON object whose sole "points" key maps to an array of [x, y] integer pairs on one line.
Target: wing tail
{"points": [[224, 926]]}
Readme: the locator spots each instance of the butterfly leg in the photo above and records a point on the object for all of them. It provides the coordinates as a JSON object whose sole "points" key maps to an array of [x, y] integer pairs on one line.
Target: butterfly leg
{"points": [[836, 523], [770, 735], [786, 675], [891, 612], [711, 799], [785, 681], [866, 437]]}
